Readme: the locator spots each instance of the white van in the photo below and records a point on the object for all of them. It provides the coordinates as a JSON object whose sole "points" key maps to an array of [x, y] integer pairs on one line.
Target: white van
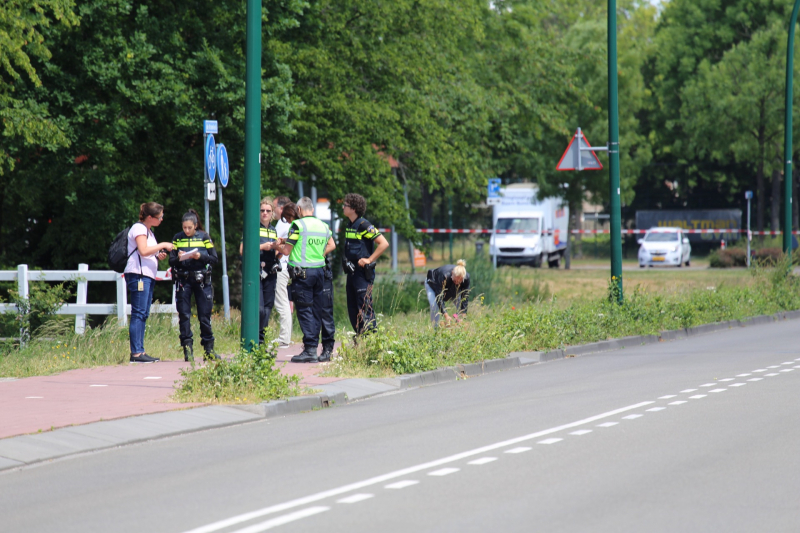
{"points": [[543, 227]]}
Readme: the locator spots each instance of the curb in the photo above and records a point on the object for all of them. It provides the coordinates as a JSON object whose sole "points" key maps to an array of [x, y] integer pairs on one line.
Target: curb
{"points": [[23, 450]]}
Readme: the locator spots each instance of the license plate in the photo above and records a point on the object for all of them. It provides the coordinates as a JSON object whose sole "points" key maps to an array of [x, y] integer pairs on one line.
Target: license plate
{"points": [[657, 259]]}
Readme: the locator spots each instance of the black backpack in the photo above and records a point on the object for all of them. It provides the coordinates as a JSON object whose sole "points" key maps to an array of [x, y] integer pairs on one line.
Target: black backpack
{"points": [[118, 251]]}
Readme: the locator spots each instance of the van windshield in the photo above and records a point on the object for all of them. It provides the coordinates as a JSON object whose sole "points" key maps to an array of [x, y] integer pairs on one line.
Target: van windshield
{"points": [[661, 237], [520, 224]]}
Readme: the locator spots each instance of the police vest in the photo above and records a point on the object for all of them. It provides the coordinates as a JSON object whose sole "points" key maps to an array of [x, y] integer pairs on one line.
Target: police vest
{"points": [[309, 236], [200, 241], [267, 234], [360, 238]]}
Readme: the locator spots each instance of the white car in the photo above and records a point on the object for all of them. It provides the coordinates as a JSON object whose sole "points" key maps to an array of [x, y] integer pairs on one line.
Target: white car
{"points": [[664, 246]]}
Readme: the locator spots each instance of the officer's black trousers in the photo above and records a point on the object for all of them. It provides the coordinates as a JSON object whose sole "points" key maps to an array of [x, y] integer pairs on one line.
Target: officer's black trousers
{"points": [[203, 297], [312, 309], [266, 301], [359, 302]]}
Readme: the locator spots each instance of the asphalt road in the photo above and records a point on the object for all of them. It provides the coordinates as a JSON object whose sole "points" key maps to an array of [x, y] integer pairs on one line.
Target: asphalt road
{"points": [[695, 435]]}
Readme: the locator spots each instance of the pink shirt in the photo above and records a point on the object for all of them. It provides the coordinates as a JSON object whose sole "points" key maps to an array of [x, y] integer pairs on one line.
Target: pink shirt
{"points": [[149, 263]]}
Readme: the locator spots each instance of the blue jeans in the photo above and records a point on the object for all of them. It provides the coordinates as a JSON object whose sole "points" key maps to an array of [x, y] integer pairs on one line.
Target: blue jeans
{"points": [[140, 308]]}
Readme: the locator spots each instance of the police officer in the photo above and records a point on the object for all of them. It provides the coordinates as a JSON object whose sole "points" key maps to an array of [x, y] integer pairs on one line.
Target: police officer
{"points": [[308, 242], [360, 254], [270, 266], [191, 259]]}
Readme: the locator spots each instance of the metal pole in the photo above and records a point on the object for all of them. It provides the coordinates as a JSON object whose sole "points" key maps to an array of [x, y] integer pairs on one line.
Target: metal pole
{"points": [[494, 255], [748, 233], [226, 300], [394, 249], [313, 191], [300, 190], [205, 183], [252, 174], [613, 152], [450, 222], [787, 144]]}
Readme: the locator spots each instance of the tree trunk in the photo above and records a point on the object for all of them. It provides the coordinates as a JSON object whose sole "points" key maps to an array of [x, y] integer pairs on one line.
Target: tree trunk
{"points": [[775, 208], [760, 198]]}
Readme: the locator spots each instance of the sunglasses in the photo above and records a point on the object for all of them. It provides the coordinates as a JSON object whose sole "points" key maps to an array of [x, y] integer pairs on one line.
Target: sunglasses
{"points": [[266, 210]]}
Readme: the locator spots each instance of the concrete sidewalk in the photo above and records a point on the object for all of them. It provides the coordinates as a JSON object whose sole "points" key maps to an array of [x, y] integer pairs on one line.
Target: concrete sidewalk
{"points": [[82, 396]]}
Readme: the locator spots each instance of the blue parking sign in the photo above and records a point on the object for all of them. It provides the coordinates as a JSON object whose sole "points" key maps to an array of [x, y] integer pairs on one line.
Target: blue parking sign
{"points": [[494, 187]]}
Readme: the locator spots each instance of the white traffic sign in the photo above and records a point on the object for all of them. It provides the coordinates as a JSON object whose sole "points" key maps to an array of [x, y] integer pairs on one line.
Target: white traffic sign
{"points": [[210, 127], [580, 149]]}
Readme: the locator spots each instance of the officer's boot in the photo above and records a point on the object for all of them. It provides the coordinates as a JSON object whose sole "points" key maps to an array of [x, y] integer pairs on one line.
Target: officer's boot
{"points": [[210, 354], [327, 352], [308, 355], [188, 353]]}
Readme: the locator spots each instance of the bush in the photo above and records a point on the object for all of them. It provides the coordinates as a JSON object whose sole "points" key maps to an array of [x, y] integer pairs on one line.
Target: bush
{"points": [[249, 377], [768, 256], [730, 257], [34, 311]]}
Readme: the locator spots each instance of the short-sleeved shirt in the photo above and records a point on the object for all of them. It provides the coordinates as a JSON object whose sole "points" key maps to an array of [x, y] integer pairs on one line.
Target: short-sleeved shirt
{"points": [[149, 263], [360, 238], [282, 228]]}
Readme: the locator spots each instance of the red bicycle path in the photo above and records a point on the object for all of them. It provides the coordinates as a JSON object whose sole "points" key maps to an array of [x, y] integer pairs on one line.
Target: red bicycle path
{"points": [[86, 395]]}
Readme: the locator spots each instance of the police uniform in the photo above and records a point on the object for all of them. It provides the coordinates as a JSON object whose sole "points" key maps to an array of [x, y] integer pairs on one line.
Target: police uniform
{"points": [[360, 238], [193, 276], [268, 279], [309, 236], [327, 326]]}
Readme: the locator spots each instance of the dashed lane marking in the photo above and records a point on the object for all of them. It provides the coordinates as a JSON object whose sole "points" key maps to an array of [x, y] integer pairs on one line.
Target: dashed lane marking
{"points": [[667, 397], [520, 449], [408, 482], [760, 370], [153, 377], [728, 379], [482, 461], [788, 370], [708, 385], [581, 432], [718, 390], [773, 366], [98, 385], [632, 417], [788, 363], [773, 374], [737, 384], [743, 375], [686, 391], [549, 441], [443, 472], [697, 396], [654, 409], [34, 397], [355, 498], [607, 424], [755, 379], [311, 498], [680, 402]]}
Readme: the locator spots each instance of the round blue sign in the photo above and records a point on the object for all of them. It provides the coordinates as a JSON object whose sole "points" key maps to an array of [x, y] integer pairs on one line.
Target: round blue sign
{"points": [[222, 165], [211, 158]]}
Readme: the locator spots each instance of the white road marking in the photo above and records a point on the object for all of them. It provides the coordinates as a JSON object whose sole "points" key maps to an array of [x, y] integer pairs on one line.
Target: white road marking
{"points": [[632, 417], [355, 498], [728, 379], [667, 397], [98, 385], [773, 366], [680, 402], [718, 390], [755, 379], [581, 432], [244, 517], [760, 370], [788, 363], [796, 366], [519, 450], [686, 391], [737, 384], [285, 519], [657, 409], [788, 370], [607, 424], [443, 472], [34, 397], [771, 375], [408, 482], [743, 375], [483, 460], [549, 441], [153, 377], [708, 385], [697, 396]]}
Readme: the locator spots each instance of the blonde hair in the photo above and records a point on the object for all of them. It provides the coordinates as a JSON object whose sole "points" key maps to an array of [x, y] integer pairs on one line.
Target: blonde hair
{"points": [[460, 271], [267, 200]]}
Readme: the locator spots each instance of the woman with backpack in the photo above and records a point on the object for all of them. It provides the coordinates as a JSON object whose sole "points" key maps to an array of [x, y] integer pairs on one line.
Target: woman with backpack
{"points": [[191, 260], [144, 252]]}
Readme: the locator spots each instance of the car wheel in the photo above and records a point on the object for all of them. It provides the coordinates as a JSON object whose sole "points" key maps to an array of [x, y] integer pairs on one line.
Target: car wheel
{"points": [[641, 266], [688, 262]]}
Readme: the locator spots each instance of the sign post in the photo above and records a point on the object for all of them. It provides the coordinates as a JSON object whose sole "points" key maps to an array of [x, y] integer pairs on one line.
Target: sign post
{"points": [[748, 195], [223, 171], [493, 198]]}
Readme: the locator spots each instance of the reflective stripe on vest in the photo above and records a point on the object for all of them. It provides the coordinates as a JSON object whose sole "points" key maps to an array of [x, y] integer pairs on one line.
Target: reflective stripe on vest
{"points": [[310, 255]]}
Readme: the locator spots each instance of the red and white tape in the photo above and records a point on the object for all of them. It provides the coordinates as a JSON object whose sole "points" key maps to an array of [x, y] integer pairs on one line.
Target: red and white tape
{"points": [[593, 231]]}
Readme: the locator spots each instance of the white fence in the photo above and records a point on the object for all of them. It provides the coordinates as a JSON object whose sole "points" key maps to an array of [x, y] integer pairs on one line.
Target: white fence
{"points": [[82, 277]]}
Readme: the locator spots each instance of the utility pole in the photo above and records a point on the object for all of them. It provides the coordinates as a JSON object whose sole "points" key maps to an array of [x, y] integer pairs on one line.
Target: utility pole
{"points": [[613, 153], [787, 137], [252, 175]]}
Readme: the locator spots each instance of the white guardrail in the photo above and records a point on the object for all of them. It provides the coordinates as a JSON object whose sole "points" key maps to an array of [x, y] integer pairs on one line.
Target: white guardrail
{"points": [[82, 277]]}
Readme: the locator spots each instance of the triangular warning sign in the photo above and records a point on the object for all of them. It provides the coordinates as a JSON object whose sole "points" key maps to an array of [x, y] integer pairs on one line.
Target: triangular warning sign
{"points": [[569, 161]]}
